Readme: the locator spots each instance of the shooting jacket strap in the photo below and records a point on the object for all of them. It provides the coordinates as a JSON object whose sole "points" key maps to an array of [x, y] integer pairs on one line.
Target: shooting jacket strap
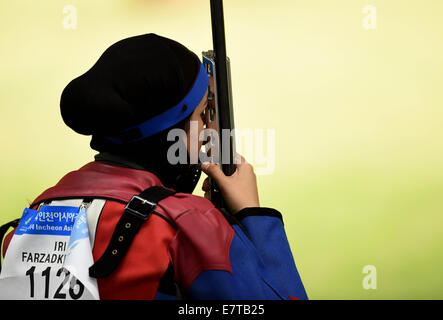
{"points": [[137, 211]]}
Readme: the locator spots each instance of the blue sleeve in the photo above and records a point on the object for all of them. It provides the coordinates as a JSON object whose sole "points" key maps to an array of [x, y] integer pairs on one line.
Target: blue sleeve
{"points": [[261, 261], [266, 231]]}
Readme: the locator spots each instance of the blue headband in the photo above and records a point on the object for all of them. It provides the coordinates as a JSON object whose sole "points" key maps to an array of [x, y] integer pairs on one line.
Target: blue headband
{"points": [[171, 117]]}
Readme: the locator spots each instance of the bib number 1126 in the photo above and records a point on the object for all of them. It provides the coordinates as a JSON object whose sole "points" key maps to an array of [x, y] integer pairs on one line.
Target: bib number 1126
{"points": [[76, 288]]}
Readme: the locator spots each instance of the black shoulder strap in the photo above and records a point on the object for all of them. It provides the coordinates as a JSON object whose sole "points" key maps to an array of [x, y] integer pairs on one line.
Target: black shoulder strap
{"points": [[4, 228], [137, 211]]}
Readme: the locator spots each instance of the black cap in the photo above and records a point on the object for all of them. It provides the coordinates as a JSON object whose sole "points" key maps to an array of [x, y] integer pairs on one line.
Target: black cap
{"points": [[134, 80]]}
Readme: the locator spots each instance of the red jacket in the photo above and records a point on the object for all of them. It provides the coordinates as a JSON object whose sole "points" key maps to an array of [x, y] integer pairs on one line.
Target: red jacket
{"points": [[210, 258], [157, 243]]}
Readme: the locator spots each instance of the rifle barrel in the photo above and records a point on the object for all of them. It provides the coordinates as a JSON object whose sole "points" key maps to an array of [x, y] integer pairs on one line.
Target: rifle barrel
{"points": [[223, 94]]}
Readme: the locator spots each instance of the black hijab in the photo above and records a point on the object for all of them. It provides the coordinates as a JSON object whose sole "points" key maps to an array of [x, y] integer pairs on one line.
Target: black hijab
{"points": [[134, 80]]}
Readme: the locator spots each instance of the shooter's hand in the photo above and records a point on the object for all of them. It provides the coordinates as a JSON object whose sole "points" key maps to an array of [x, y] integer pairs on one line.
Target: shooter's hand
{"points": [[239, 190]]}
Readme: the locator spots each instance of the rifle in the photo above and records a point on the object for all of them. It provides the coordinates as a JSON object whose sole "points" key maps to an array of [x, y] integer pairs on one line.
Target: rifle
{"points": [[221, 114]]}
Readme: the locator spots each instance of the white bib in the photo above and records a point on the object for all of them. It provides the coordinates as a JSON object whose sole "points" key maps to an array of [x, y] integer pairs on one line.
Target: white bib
{"points": [[49, 256]]}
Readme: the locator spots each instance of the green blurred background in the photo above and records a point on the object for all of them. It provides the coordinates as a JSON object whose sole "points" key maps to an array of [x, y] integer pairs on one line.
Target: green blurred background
{"points": [[357, 116]]}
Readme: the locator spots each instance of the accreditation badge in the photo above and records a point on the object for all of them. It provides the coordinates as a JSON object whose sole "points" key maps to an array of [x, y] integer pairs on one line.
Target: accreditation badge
{"points": [[49, 256]]}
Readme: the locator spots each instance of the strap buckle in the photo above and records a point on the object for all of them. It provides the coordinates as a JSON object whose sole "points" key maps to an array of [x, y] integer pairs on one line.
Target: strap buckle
{"points": [[139, 207]]}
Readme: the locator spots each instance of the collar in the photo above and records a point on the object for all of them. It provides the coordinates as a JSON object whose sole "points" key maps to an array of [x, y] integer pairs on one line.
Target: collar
{"points": [[118, 160]]}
